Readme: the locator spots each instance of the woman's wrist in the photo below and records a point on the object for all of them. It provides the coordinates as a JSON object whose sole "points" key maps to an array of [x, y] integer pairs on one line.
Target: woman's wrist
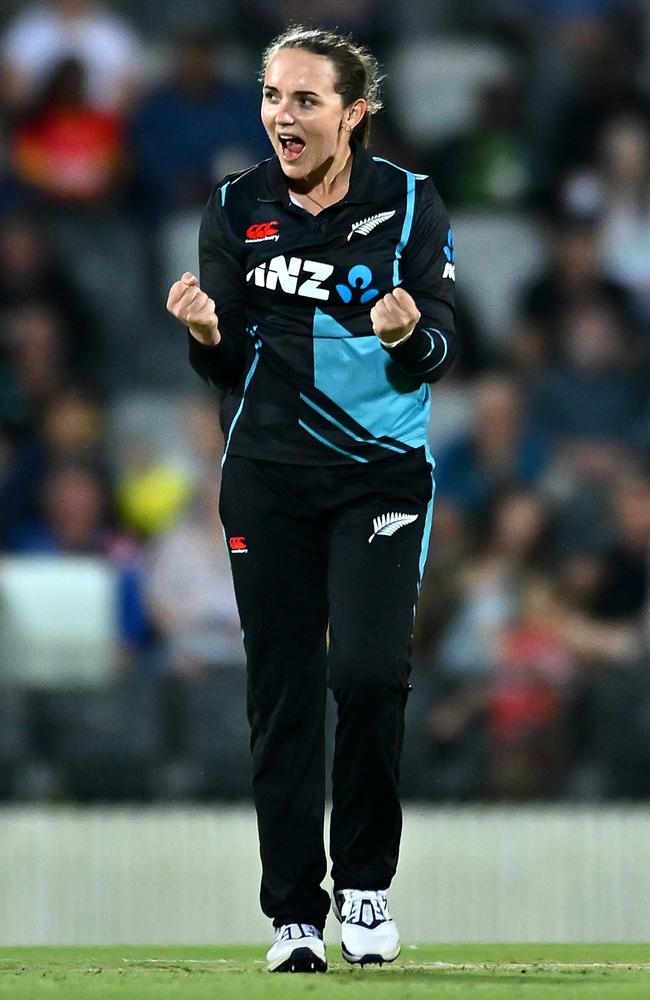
{"points": [[213, 336], [400, 340]]}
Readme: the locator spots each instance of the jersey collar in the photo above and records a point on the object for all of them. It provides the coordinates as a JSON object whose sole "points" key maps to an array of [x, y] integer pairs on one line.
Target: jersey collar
{"points": [[273, 186]]}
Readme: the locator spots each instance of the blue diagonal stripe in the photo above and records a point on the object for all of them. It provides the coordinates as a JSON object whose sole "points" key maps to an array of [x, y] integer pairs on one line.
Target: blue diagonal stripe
{"points": [[406, 227], [329, 444], [249, 376], [355, 437], [426, 534]]}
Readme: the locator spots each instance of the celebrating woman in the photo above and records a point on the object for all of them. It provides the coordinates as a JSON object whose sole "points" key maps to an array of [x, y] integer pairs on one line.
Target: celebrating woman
{"points": [[324, 311]]}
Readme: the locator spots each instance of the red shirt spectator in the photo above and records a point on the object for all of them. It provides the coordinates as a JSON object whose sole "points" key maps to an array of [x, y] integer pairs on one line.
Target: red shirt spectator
{"points": [[67, 149]]}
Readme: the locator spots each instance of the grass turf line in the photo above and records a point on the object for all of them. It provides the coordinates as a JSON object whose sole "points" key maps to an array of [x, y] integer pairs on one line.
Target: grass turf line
{"points": [[438, 972]]}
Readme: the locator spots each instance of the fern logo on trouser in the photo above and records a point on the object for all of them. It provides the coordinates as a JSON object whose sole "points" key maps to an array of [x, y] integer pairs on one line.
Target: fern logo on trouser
{"points": [[388, 524]]}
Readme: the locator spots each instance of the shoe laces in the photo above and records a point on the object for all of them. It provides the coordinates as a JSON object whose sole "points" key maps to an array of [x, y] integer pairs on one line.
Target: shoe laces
{"points": [[364, 907], [290, 932]]}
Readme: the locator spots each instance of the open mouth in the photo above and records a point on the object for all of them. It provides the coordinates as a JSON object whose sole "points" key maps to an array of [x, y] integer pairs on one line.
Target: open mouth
{"points": [[291, 147]]}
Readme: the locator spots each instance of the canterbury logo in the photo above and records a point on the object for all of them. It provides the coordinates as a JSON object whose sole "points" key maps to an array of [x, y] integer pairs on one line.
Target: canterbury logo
{"points": [[388, 524], [365, 226], [238, 544], [262, 231]]}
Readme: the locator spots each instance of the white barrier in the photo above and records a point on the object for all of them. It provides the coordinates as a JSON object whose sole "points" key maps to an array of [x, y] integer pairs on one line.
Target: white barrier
{"points": [[189, 875]]}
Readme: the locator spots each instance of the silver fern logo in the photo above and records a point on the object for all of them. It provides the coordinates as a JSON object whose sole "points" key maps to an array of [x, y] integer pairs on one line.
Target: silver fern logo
{"points": [[365, 226], [388, 524]]}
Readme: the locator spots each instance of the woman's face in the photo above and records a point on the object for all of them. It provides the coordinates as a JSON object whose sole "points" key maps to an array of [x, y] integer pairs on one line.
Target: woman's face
{"points": [[302, 113]]}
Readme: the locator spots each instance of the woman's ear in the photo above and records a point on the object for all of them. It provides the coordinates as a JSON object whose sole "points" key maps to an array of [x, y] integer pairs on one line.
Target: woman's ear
{"points": [[354, 114]]}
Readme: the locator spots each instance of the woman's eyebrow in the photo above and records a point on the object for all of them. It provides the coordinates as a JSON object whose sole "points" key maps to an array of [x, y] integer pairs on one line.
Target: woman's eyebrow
{"points": [[296, 93]]}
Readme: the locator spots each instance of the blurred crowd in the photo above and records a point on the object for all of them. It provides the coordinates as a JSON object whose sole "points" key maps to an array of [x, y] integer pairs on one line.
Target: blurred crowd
{"points": [[532, 675]]}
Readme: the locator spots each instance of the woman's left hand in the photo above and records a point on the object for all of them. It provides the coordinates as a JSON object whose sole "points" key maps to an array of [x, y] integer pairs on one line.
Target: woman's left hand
{"points": [[394, 317]]}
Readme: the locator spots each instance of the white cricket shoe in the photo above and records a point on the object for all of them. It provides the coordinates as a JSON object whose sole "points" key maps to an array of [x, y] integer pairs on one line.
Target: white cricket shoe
{"points": [[369, 935], [297, 948]]}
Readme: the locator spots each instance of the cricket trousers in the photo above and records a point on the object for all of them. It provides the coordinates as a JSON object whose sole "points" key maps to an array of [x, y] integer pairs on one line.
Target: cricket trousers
{"points": [[326, 563]]}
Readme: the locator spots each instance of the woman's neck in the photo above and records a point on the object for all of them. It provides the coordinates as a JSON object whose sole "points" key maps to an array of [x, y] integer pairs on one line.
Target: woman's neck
{"points": [[327, 186]]}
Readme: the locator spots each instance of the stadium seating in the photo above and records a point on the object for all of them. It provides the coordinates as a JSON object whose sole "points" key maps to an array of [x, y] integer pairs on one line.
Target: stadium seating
{"points": [[107, 741], [57, 620], [15, 742], [434, 83], [497, 255], [212, 733]]}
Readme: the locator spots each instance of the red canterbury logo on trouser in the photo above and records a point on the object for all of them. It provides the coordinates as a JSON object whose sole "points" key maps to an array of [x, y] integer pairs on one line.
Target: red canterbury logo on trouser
{"points": [[238, 544]]}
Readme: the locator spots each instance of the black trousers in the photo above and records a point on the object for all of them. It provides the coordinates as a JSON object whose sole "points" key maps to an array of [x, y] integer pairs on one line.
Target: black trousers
{"points": [[306, 552]]}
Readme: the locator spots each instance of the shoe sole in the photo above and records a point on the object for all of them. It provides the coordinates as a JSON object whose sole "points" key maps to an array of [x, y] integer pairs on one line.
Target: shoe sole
{"points": [[368, 959], [301, 960]]}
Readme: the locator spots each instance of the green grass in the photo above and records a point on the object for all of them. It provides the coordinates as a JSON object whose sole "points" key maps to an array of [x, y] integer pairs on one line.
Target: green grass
{"points": [[437, 972]]}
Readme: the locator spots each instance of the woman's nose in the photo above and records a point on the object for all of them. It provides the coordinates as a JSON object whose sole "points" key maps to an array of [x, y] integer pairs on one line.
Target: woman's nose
{"points": [[282, 114]]}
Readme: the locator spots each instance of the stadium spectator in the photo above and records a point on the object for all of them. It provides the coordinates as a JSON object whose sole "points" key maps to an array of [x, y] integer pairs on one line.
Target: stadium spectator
{"points": [[560, 39], [65, 149], [579, 482], [490, 167], [453, 542], [608, 87], [573, 274], [623, 589], [193, 128], [7, 465], [44, 34], [610, 585], [31, 272], [625, 228], [515, 653], [534, 672], [596, 392], [75, 519], [361, 18], [480, 648], [202, 434], [616, 189], [70, 430], [501, 450], [189, 592], [33, 332], [560, 441], [490, 583]]}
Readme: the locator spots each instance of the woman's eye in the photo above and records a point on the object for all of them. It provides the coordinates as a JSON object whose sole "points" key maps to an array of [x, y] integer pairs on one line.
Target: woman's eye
{"points": [[307, 102]]}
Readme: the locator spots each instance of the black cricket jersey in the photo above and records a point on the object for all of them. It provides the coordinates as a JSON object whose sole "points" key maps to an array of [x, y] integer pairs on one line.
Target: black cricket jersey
{"points": [[304, 378]]}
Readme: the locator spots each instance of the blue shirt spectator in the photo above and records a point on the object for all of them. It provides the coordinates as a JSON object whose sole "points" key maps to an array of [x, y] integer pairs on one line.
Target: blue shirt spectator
{"points": [[193, 129], [597, 391], [500, 451], [75, 521]]}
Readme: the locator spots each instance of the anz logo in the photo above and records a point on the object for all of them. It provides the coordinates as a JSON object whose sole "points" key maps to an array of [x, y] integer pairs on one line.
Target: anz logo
{"points": [[294, 276], [359, 280]]}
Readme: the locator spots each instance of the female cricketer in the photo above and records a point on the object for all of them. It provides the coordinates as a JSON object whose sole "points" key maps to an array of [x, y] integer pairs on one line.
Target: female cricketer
{"points": [[323, 313]]}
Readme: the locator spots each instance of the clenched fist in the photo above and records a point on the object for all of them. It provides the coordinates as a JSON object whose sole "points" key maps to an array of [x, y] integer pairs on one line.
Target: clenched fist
{"points": [[195, 309], [394, 317]]}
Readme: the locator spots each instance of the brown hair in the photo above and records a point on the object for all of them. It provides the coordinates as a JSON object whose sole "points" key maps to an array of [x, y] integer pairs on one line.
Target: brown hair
{"points": [[356, 69]]}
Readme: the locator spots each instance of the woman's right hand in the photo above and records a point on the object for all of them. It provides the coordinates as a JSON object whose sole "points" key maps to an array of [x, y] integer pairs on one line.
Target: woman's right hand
{"points": [[194, 309]]}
